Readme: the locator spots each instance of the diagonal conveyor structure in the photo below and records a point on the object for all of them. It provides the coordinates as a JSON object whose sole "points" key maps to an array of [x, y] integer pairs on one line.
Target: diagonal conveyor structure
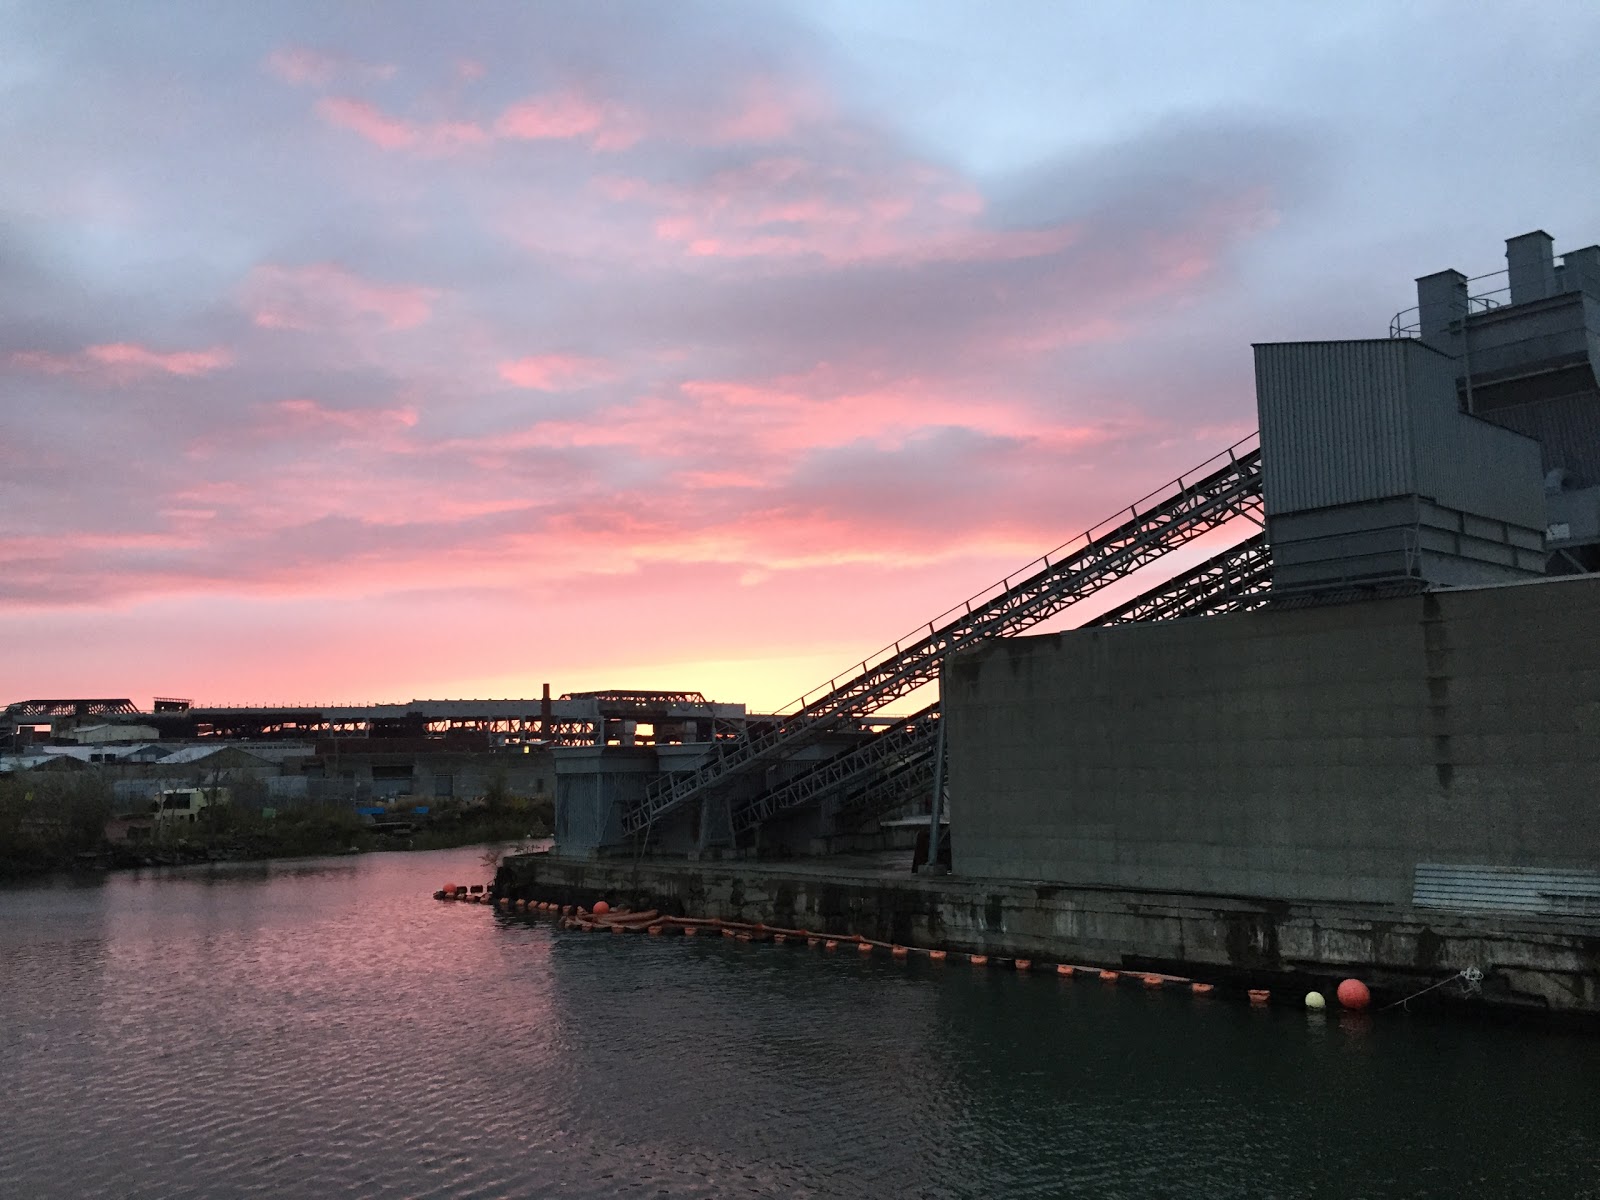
{"points": [[1226, 486], [889, 765]]}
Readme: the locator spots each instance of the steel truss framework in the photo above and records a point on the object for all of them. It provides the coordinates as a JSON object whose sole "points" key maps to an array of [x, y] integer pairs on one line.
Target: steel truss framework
{"points": [[1229, 487], [881, 752], [1239, 578], [42, 710], [871, 778]]}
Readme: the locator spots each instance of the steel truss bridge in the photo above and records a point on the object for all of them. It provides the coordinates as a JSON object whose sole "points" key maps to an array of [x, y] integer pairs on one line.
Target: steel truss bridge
{"points": [[884, 766], [577, 719]]}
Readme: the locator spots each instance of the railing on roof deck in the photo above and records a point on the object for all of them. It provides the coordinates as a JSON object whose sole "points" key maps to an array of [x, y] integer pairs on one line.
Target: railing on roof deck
{"points": [[1407, 323]]}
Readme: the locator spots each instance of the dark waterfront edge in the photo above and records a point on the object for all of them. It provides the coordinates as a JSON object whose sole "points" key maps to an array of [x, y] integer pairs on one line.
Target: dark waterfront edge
{"points": [[1544, 970], [318, 841]]}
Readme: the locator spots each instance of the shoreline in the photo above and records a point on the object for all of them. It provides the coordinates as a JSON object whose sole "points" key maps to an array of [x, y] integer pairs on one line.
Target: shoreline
{"points": [[116, 859]]}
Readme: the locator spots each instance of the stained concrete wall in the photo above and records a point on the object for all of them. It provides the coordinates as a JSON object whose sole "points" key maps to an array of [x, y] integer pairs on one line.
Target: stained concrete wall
{"points": [[1528, 963], [1291, 754]]}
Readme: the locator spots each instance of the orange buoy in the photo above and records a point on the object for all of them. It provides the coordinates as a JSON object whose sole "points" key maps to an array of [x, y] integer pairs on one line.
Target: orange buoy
{"points": [[1024, 964], [977, 960], [689, 931], [1153, 981], [780, 938], [1109, 976], [449, 890], [812, 941], [1202, 989], [505, 901], [1063, 969], [1353, 993], [937, 955], [601, 908], [1259, 996], [898, 951], [864, 947], [654, 930], [743, 937], [830, 944], [727, 933], [521, 904]]}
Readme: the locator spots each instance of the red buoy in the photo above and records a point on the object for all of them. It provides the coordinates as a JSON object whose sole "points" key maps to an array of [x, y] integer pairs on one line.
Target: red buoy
{"points": [[1353, 994], [601, 908]]}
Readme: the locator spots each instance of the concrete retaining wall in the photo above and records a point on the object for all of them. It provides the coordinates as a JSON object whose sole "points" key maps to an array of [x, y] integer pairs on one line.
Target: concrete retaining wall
{"points": [[1545, 966], [1297, 755]]}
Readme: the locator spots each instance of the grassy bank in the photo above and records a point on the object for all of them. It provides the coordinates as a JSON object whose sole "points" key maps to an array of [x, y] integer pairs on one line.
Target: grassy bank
{"points": [[52, 823]]}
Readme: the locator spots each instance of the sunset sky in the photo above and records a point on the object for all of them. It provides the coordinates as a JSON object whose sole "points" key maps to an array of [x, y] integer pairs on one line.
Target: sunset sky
{"points": [[366, 351]]}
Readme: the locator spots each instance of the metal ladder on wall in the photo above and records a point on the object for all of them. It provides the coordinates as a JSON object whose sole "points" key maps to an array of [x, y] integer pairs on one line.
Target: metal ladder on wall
{"points": [[1224, 487], [894, 762]]}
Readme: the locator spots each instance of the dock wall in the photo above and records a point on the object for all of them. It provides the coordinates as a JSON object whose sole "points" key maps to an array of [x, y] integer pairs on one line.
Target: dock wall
{"points": [[1548, 966]]}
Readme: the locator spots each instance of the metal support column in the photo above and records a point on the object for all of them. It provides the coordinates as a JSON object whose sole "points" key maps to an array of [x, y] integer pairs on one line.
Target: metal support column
{"points": [[934, 836]]}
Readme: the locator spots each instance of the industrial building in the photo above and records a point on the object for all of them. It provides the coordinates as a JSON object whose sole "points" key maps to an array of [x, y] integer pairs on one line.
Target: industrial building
{"points": [[1436, 744], [1366, 731], [1461, 451]]}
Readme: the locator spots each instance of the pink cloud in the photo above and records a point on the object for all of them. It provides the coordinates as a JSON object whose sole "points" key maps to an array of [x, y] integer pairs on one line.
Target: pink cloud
{"points": [[121, 360], [556, 372], [394, 133], [322, 295], [310, 414], [564, 115], [795, 205]]}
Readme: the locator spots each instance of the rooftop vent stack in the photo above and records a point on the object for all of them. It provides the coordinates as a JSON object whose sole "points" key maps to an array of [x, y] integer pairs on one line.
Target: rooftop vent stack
{"points": [[1531, 266], [1441, 302], [1582, 270]]}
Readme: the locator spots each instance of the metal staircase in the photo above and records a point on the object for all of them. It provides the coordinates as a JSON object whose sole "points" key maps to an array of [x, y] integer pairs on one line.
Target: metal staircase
{"points": [[1224, 487], [881, 771]]}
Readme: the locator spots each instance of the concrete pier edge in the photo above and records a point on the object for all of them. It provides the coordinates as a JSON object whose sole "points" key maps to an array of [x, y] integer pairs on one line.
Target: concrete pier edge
{"points": [[1532, 966]]}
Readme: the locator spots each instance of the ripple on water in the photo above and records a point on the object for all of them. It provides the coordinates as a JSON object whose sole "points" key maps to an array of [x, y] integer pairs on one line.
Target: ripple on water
{"points": [[324, 1028]]}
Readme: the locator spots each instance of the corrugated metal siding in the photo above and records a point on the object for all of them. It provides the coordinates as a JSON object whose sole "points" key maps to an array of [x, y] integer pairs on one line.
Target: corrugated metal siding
{"points": [[1334, 423], [1507, 889], [1465, 463], [1568, 427]]}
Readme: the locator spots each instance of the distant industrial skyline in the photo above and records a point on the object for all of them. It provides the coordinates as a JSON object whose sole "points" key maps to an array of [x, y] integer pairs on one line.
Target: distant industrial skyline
{"points": [[351, 354]]}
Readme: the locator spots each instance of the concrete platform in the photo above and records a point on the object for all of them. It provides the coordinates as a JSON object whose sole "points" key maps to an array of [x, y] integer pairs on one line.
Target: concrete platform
{"points": [[1535, 965]]}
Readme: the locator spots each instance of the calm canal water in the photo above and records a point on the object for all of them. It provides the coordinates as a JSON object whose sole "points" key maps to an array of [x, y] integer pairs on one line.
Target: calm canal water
{"points": [[324, 1027]]}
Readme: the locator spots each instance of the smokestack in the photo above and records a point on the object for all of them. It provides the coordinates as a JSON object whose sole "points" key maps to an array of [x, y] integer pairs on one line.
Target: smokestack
{"points": [[544, 714]]}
